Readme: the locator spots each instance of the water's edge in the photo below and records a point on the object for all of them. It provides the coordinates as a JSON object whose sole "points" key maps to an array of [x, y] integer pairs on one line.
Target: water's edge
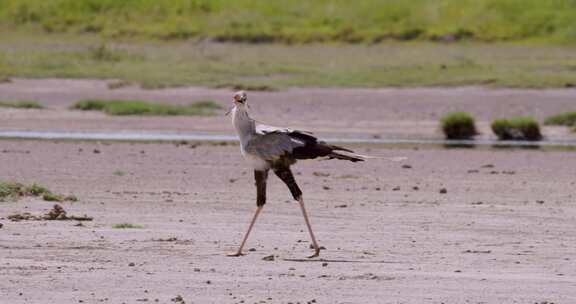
{"points": [[200, 137]]}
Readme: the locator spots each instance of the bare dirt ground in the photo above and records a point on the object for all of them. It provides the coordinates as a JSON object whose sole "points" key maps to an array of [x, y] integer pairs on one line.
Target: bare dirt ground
{"points": [[358, 113], [504, 231]]}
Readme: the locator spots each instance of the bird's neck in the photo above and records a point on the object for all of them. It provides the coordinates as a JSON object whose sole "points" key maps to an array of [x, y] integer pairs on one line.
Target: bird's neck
{"points": [[244, 125]]}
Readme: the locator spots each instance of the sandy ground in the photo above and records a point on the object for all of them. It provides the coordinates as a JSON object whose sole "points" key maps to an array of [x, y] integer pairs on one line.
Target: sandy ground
{"points": [[505, 231], [358, 113]]}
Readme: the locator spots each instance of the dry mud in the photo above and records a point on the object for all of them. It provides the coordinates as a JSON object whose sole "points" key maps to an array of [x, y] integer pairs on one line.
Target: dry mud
{"points": [[504, 231]]}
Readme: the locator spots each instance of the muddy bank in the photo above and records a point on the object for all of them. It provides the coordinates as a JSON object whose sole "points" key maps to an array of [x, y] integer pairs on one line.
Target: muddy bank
{"points": [[352, 113], [448, 226]]}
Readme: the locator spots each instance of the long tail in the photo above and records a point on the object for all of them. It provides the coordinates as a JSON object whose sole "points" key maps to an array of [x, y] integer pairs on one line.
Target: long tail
{"points": [[352, 158], [355, 157], [314, 149]]}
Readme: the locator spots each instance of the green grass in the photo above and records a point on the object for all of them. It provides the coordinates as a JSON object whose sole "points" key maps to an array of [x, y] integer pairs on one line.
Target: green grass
{"points": [[299, 21], [563, 119], [54, 197], [13, 191], [273, 66], [140, 107], [127, 226], [22, 104], [519, 128], [458, 125]]}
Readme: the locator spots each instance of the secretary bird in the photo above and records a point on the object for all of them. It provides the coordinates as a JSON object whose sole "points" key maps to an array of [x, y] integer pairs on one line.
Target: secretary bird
{"points": [[266, 147]]}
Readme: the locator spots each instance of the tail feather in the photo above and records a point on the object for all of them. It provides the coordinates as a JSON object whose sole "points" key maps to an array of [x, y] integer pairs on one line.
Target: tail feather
{"points": [[352, 158], [355, 157], [314, 149]]}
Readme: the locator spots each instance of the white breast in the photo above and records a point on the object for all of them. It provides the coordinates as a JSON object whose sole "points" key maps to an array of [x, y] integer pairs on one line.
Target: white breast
{"points": [[255, 162]]}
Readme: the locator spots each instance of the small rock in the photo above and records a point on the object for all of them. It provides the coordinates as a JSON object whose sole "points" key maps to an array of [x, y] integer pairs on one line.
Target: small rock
{"points": [[415, 188], [324, 264], [268, 258], [341, 206], [443, 191], [540, 202], [406, 167], [132, 264], [325, 187], [96, 151], [252, 249], [396, 189]]}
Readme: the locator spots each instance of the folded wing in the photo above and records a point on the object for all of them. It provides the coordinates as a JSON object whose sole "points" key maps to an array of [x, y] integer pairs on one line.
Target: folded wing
{"points": [[272, 143]]}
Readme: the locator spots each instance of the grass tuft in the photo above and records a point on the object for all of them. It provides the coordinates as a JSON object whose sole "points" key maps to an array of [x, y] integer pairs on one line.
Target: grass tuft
{"points": [[127, 226], [140, 107], [12, 191], [22, 104], [563, 119], [458, 125], [519, 128]]}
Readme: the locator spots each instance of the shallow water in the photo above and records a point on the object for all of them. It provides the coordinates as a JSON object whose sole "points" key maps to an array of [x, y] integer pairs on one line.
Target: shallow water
{"points": [[171, 137]]}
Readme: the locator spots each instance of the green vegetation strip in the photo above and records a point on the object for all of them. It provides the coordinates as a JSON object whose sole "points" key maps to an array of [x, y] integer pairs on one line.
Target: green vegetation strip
{"points": [[13, 191], [299, 21], [139, 107], [563, 119], [23, 104], [273, 66]]}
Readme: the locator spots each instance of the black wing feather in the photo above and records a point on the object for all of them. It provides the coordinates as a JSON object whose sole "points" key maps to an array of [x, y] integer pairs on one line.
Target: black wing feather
{"points": [[313, 148]]}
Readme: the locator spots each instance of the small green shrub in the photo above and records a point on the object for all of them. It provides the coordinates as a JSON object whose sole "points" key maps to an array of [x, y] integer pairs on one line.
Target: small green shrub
{"points": [[12, 191], [37, 190], [562, 119], [53, 197], [458, 125], [127, 226], [22, 104], [140, 107], [519, 128]]}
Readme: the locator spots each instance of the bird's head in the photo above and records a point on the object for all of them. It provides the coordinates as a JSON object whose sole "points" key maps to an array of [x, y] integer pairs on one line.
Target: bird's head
{"points": [[240, 98]]}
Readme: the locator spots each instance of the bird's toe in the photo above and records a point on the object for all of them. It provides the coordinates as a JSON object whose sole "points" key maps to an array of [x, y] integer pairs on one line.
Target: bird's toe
{"points": [[315, 255]]}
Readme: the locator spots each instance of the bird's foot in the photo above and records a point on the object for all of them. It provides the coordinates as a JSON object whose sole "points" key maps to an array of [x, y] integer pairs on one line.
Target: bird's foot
{"points": [[316, 253], [235, 254]]}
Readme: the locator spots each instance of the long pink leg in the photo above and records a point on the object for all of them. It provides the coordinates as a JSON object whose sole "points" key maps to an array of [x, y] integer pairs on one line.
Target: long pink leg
{"points": [[239, 252], [315, 244]]}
